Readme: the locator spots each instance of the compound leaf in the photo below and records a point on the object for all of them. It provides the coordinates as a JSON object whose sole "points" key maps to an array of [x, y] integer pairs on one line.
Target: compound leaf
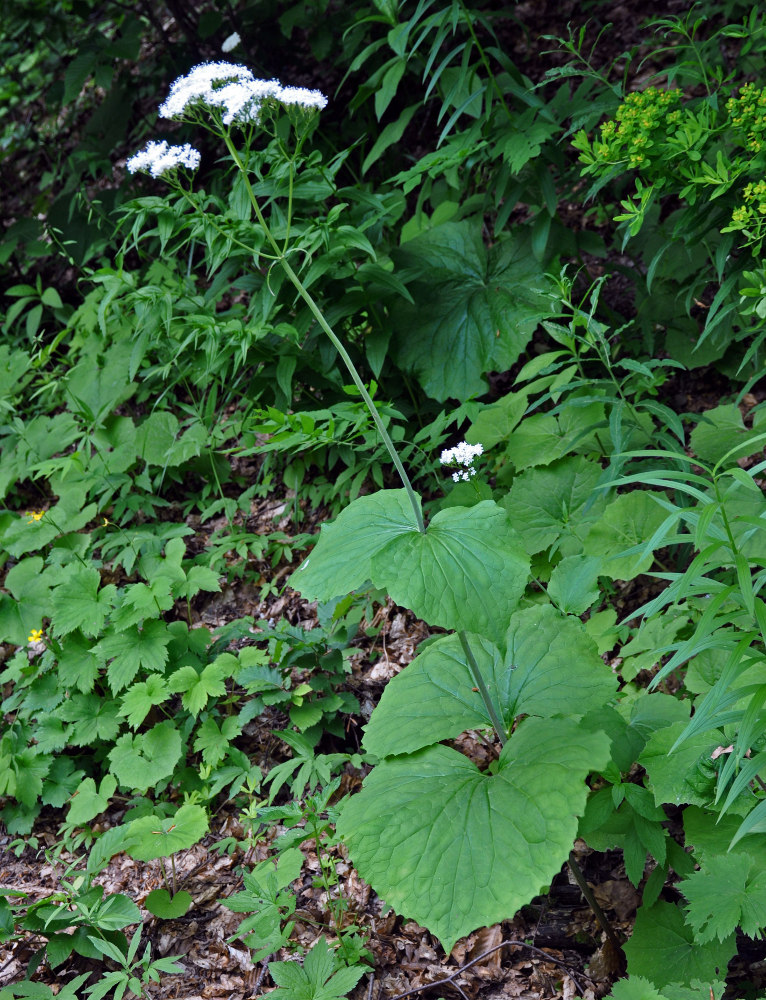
{"points": [[727, 893]]}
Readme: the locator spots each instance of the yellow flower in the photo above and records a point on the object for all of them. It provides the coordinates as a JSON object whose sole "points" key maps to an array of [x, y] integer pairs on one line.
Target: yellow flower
{"points": [[34, 515], [35, 635]]}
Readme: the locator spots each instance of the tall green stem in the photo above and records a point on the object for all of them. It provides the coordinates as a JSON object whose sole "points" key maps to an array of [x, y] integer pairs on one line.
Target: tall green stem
{"points": [[318, 315], [478, 680]]}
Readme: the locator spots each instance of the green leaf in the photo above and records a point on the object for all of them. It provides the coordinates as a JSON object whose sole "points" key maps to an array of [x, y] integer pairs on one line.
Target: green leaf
{"points": [[630, 520], [635, 988], [466, 572], [710, 839], [664, 949], [140, 761], [142, 697], [79, 603], [115, 912], [677, 777], [728, 892], [341, 561], [721, 429], [30, 588], [132, 649], [496, 421], [153, 837], [319, 979], [454, 848], [87, 802], [547, 506], [155, 437], [94, 718], [198, 578], [78, 664], [542, 438], [198, 688], [167, 907], [573, 586], [473, 311], [213, 742], [551, 668]]}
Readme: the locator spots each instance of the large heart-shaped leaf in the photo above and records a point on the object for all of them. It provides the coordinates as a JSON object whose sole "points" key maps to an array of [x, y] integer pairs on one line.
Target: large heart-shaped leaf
{"points": [[467, 571], [457, 849], [551, 667], [474, 311], [548, 506]]}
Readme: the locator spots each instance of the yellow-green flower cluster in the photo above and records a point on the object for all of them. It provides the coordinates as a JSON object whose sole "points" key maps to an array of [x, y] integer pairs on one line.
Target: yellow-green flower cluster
{"points": [[747, 112], [630, 135], [751, 216]]}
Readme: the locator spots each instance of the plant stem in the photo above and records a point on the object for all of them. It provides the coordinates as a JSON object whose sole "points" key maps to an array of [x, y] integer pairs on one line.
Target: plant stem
{"points": [[345, 356], [473, 666], [598, 913]]}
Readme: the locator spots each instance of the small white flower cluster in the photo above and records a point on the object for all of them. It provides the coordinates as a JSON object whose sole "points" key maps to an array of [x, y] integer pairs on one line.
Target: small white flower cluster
{"points": [[234, 89], [157, 158], [231, 42], [462, 454]]}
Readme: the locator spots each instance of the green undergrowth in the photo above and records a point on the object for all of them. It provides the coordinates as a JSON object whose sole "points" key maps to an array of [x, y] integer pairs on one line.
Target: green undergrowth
{"points": [[309, 328]]}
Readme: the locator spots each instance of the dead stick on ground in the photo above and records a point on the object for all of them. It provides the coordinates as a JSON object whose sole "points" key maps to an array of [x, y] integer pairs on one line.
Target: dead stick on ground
{"points": [[490, 951]]}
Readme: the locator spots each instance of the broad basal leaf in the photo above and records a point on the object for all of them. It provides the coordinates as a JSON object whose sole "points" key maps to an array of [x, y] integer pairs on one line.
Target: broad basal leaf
{"points": [[342, 558], [151, 837], [631, 519], [551, 668], [664, 949], [722, 429], [142, 760], [457, 849], [474, 311], [687, 776], [547, 506], [467, 571]]}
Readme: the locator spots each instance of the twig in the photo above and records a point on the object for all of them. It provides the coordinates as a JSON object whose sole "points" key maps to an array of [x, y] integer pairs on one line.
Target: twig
{"points": [[484, 954], [261, 974]]}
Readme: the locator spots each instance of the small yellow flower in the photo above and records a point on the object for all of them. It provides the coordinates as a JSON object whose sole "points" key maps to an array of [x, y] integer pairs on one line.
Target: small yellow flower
{"points": [[106, 523], [35, 635], [34, 515]]}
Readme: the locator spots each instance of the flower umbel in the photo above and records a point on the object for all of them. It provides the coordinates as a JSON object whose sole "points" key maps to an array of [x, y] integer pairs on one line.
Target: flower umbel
{"points": [[157, 158], [235, 90], [462, 454], [35, 635], [34, 515]]}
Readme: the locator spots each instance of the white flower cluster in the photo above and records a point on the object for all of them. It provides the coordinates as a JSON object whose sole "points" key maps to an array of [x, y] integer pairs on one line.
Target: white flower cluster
{"points": [[234, 89], [158, 158], [462, 454]]}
